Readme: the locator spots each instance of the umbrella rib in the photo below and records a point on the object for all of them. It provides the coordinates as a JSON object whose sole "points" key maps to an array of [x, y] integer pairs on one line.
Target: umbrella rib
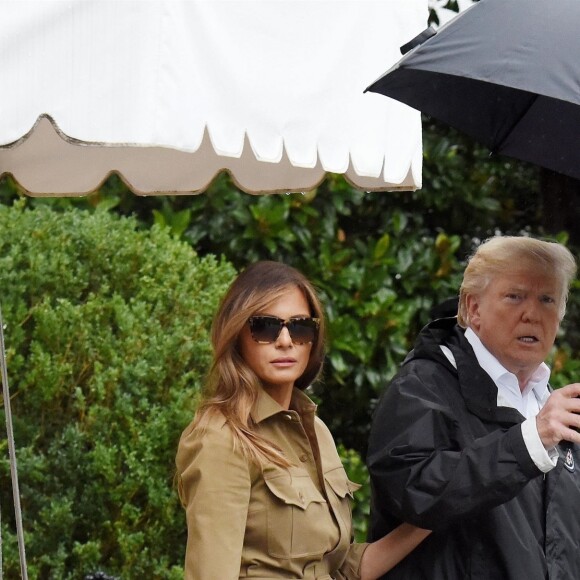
{"points": [[516, 122]]}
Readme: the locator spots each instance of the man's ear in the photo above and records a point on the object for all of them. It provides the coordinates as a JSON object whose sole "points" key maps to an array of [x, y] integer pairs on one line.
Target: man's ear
{"points": [[472, 303]]}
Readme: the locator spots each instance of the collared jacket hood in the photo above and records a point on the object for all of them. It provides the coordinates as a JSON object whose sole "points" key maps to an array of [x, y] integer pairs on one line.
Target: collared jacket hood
{"points": [[443, 455]]}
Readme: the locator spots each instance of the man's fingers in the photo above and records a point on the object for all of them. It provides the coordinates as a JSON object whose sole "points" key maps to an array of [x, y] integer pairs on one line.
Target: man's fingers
{"points": [[569, 391], [559, 419], [569, 401], [571, 435], [574, 419]]}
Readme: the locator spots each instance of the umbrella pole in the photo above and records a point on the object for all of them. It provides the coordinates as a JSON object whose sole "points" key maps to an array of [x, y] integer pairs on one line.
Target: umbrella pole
{"points": [[12, 454]]}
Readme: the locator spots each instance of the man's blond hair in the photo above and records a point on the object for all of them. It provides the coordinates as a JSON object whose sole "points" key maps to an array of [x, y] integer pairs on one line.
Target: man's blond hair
{"points": [[503, 254]]}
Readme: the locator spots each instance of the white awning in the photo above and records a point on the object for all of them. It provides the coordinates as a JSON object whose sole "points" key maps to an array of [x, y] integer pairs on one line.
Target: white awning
{"points": [[169, 93]]}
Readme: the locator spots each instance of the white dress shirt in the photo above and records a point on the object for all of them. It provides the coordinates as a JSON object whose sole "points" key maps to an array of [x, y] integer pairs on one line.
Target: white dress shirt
{"points": [[528, 402]]}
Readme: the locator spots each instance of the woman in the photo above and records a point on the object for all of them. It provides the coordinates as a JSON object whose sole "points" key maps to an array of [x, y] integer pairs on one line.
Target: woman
{"points": [[265, 493]]}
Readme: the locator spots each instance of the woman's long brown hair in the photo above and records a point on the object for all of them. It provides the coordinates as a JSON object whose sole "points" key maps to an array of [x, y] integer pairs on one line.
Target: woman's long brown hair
{"points": [[232, 387]]}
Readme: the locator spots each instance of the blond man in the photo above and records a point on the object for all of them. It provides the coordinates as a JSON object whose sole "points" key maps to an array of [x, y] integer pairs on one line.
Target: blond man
{"points": [[469, 439]]}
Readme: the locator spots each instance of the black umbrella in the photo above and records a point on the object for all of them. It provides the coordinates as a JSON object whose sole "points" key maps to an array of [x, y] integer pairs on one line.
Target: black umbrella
{"points": [[506, 72]]}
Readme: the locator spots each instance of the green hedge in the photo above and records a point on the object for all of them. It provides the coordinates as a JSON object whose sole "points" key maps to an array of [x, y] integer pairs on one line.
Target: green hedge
{"points": [[107, 345]]}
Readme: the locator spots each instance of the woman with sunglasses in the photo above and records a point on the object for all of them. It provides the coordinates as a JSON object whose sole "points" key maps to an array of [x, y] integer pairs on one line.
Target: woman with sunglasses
{"points": [[264, 489]]}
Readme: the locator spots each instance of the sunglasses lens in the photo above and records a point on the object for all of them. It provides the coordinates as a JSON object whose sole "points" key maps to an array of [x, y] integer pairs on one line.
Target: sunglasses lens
{"points": [[302, 330], [265, 328]]}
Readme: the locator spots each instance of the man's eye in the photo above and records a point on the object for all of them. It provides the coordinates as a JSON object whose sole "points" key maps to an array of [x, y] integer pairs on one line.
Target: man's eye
{"points": [[513, 296], [548, 299]]}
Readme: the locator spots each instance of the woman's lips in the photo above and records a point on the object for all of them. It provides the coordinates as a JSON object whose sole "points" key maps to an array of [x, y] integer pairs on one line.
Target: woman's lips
{"points": [[283, 362]]}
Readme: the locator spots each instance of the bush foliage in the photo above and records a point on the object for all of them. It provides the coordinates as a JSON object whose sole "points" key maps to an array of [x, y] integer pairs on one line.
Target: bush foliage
{"points": [[107, 345]]}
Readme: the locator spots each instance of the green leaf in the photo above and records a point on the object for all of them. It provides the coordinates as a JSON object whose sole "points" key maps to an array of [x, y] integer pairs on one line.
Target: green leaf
{"points": [[382, 246]]}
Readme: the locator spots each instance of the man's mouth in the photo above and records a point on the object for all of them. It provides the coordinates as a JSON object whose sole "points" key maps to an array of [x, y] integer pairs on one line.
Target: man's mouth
{"points": [[528, 339]]}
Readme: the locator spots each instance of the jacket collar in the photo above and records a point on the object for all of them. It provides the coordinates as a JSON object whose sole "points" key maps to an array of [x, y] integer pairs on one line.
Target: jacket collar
{"points": [[478, 389], [266, 407]]}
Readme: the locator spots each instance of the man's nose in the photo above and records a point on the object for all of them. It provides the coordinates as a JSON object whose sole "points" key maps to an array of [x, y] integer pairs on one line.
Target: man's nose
{"points": [[531, 311]]}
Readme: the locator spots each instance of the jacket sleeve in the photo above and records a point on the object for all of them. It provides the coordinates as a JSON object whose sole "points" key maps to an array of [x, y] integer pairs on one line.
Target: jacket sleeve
{"points": [[429, 463], [214, 487], [350, 569]]}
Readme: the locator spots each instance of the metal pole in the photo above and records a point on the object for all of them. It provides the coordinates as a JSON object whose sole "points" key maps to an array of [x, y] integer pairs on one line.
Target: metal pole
{"points": [[12, 454], [1, 566]]}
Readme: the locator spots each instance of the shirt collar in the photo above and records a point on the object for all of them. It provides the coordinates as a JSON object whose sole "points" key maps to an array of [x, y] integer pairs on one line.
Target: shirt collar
{"points": [[265, 406], [500, 375]]}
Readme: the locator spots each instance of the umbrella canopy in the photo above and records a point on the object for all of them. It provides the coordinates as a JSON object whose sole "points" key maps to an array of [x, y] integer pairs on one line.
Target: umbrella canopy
{"points": [[168, 94], [506, 73]]}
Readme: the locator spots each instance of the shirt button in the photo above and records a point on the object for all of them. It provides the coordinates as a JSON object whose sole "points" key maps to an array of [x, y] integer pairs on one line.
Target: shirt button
{"points": [[304, 458]]}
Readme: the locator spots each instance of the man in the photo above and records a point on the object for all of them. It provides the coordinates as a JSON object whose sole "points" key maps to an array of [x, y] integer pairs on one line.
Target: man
{"points": [[469, 440]]}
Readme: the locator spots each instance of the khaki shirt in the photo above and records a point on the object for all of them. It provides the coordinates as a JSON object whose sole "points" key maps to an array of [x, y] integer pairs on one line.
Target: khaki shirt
{"points": [[246, 521]]}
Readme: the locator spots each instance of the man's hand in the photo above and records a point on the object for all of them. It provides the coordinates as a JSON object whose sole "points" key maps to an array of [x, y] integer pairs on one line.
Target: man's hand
{"points": [[559, 419]]}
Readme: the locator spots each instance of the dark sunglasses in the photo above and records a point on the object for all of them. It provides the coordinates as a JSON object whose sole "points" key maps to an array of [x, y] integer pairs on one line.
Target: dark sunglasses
{"points": [[267, 329]]}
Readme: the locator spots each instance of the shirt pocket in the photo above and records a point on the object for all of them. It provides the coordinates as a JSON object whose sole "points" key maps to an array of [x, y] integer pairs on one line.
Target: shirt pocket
{"points": [[339, 486], [339, 482], [299, 521]]}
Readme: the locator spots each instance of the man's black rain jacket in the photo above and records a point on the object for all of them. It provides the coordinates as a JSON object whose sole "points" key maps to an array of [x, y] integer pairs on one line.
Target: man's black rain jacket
{"points": [[443, 455]]}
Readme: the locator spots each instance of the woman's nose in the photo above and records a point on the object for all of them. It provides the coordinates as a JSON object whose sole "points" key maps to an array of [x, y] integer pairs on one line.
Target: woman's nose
{"points": [[284, 339]]}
